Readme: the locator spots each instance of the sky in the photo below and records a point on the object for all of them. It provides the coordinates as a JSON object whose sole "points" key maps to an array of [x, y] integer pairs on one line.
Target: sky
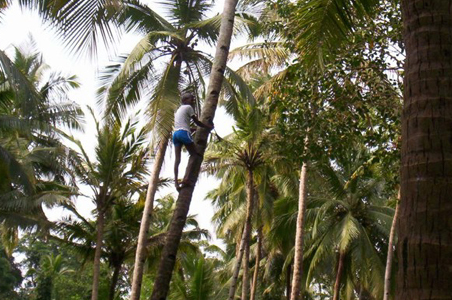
{"points": [[16, 28]]}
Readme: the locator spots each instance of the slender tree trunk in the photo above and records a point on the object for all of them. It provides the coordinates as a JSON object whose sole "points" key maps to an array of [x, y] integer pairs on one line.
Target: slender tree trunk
{"points": [[424, 226], [114, 280], [387, 288], [98, 252], [288, 286], [168, 258], [245, 235], [256, 265], [337, 283], [298, 260], [246, 271], [140, 256]]}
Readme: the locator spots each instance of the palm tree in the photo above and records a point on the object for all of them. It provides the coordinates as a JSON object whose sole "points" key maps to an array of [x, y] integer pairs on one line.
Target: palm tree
{"points": [[351, 225], [37, 168], [167, 261], [241, 154], [118, 171]]}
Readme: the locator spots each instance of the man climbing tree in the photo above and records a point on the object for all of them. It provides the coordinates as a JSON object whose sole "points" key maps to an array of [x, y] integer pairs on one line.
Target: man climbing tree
{"points": [[173, 236], [182, 134]]}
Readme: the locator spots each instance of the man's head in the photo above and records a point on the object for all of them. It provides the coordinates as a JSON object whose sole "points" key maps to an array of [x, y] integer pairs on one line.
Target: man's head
{"points": [[187, 98]]}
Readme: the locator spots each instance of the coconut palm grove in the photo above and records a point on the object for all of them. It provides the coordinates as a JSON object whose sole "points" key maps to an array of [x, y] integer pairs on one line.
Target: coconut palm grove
{"points": [[332, 177]]}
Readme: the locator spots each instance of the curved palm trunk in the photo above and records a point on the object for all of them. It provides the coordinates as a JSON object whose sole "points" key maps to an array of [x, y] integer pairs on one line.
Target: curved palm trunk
{"points": [[337, 283], [298, 259], [97, 253], [140, 256], [245, 235], [389, 259], [424, 226], [256, 266], [168, 258]]}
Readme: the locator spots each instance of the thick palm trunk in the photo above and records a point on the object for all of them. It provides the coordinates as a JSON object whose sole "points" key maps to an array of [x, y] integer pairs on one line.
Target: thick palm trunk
{"points": [[424, 226], [245, 235], [337, 283], [298, 259], [97, 253], [168, 258], [256, 265], [389, 258], [140, 255]]}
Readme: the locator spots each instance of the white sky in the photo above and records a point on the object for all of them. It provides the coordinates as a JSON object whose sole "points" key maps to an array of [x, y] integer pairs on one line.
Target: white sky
{"points": [[16, 26]]}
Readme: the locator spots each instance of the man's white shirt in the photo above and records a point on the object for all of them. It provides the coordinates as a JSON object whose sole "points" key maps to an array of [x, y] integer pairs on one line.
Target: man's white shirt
{"points": [[182, 117]]}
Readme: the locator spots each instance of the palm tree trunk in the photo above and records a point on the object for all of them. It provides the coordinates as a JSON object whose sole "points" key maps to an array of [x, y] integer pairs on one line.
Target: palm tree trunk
{"points": [[246, 271], [168, 258], [140, 256], [337, 283], [245, 235], [114, 280], [424, 226], [387, 287], [97, 253], [256, 265], [298, 260]]}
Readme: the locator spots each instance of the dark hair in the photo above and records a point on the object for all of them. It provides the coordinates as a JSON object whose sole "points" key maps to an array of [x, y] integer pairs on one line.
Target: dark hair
{"points": [[186, 96]]}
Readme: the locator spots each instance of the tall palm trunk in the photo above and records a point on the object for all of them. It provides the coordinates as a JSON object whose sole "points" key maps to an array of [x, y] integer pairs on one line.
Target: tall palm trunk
{"points": [[246, 270], [337, 283], [245, 235], [168, 258], [98, 252], [424, 226], [389, 258], [140, 255], [298, 259], [256, 265]]}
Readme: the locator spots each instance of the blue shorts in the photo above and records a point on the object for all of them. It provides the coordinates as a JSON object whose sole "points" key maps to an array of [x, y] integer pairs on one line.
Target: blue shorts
{"points": [[182, 137]]}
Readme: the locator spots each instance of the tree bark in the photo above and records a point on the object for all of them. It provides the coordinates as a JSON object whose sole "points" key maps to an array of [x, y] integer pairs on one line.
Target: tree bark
{"points": [[98, 252], [140, 256], [337, 283], [245, 235], [246, 270], [256, 265], [389, 259], [298, 259], [424, 227], [168, 258]]}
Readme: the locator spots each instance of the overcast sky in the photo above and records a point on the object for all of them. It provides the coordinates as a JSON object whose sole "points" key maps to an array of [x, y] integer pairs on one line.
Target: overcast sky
{"points": [[17, 26]]}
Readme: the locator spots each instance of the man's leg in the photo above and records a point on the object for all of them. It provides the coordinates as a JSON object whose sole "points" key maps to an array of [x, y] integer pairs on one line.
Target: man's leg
{"points": [[178, 150], [192, 151]]}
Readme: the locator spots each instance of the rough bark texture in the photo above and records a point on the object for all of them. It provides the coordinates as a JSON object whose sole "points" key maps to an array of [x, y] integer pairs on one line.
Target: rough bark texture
{"points": [[140, 255], [298, 259], [97, 253], [168, 258], [114, 280], [389, 258], [337, 283], [256, 265], [425, 223], [245, 235]]}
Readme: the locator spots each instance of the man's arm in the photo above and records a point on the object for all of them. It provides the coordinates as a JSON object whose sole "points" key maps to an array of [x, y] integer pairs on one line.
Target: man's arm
{"points": [[201, 124]]}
